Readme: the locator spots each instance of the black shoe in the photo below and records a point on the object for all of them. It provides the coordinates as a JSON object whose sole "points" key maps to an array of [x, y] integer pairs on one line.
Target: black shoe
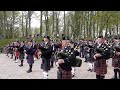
{"points": [[29, 71], [20, 65], [89, 70], [73, 75], [114, 77]]}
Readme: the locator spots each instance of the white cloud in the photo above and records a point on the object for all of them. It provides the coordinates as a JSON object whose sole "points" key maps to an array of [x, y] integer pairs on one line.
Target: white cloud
{"points": [[35, 22]]}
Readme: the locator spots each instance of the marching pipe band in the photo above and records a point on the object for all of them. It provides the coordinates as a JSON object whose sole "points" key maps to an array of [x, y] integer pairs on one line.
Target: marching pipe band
{"points": [[64, 54]]}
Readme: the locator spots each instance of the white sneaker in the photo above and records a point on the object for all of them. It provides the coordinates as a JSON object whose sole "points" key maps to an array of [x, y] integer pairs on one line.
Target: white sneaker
{"points": [[45, 75]]}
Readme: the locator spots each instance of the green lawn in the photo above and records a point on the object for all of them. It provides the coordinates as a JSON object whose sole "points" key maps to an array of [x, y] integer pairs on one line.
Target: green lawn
{"points": [[4, 42]]}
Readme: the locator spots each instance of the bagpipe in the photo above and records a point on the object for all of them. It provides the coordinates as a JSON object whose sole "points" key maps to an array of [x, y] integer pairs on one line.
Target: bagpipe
{"points": [[74, 61], [104, 51]]}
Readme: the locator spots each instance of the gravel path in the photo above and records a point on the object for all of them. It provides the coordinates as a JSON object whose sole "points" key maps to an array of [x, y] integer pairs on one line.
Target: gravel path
{"points": [[11, 70]]}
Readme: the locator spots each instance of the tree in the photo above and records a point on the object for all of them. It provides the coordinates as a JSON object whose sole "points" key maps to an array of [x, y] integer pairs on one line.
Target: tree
{"points": [[41, 12], [64, 25]]}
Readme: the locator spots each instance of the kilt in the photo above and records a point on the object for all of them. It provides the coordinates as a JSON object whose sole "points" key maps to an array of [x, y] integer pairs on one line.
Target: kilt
{"points": [[30, 59], [10, 51], [116, 61], [21, 56], [66, 74], [100, 66], [63, 74], [45, 65]]}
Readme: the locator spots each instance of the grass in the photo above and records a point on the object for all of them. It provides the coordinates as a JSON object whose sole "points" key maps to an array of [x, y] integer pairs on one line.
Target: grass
{"points": [[4, 42]]}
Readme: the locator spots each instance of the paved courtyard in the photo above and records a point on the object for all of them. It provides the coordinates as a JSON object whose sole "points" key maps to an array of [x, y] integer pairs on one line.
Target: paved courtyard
{"points": [[11, 70]]}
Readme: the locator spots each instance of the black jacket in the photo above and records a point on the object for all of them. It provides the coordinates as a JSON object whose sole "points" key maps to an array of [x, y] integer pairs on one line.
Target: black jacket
{"points": [[46, 51]]}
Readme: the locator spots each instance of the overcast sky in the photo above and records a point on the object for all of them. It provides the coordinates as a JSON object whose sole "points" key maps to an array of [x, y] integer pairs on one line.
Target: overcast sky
{"points": [[35, 22]]}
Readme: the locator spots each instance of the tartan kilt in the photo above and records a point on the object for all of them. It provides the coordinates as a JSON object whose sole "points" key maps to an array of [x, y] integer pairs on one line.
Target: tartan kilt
{"points": [[10, 51], [116, 61], [21, 56], [100, 66], [30, 59], [66, 74]]}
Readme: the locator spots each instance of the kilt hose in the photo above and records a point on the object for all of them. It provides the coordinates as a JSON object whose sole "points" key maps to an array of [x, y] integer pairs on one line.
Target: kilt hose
{"points": [[100, 67], [16, 54], [36, 54], [116, 61]]}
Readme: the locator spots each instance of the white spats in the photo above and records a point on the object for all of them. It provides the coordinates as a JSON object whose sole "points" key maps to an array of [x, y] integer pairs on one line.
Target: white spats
{"points": [[90, 65], [45, 75], [73, 71]]}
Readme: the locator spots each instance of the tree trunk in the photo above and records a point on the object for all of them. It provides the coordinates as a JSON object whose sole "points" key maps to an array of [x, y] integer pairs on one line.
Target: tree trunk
{"points": [[53, 32], [26, 25], [46, 22], [68, 28], [29, 16], [90, 25], [57, 23], [64, 25], [87, 26], [117, 24], [22, 25], [13, 23], [4, 31], [84, 26], [41, 24]]}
